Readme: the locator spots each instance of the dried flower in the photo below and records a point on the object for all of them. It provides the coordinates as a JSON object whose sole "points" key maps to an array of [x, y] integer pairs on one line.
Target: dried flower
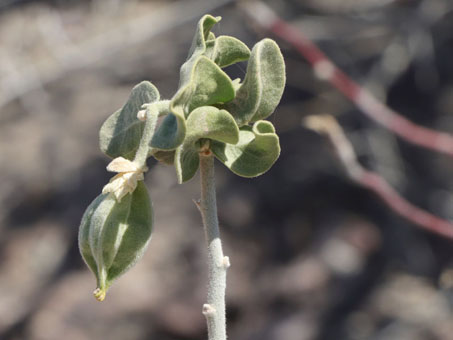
{"points": [[125, 182]]}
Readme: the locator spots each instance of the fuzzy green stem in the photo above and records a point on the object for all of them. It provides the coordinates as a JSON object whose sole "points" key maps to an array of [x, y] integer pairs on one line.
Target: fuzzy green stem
{"points": [[214, 309], [153, 111]]}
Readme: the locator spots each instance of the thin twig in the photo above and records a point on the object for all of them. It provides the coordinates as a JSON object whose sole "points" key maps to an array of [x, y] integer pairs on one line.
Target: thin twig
{"points": [[328, 126], [326, 70]]}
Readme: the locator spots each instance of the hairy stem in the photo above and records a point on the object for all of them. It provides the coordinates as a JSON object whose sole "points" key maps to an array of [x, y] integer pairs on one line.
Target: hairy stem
{"points": [[214, 309], [153, 111]]}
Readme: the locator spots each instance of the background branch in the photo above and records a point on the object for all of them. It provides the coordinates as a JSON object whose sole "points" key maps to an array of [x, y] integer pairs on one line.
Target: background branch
{"points": [[328, 126], [326, 70]]}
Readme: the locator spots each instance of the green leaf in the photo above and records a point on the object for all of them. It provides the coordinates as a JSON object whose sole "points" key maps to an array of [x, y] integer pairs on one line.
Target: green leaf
{"points": [[170, 134], [226, 50], [207, 85], [202, 34], [211, 36], [166, 157], [121, 133], [205, 122], [212, 123], [114, 235], [84, 234], [186, 162], [137, 228], [257, 150], [263, 85]]}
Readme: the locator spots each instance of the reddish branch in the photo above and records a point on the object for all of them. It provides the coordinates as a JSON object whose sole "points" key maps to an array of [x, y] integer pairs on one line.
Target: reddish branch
{"points": [[327, 125], [326, 70]]}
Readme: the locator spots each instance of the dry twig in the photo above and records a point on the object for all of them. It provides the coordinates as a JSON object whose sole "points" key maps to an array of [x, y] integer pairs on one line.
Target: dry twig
{"points": [[328, 126], [326, 70]]}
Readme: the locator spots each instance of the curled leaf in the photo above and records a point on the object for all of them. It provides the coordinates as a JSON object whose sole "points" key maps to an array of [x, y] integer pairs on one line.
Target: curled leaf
{"points": [[212, 123], [205, 122], [207, 85], [226, 50], [170, 134], [257, 150], [114, 235], [198, 48], [121, 133], [263, 85]]}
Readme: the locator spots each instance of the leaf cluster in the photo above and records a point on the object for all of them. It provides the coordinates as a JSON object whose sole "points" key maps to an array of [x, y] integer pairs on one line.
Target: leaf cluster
{"points": [[209, 107], [209, 112]]}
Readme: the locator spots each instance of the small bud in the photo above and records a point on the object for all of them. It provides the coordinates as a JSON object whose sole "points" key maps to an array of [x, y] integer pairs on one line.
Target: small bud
{"points": [[114, 234], [208, 310], [226, 262], [141, 115]]}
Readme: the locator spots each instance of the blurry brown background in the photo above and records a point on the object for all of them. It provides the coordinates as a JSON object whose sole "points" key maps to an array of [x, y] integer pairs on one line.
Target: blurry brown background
{"points": [[313, 255]]}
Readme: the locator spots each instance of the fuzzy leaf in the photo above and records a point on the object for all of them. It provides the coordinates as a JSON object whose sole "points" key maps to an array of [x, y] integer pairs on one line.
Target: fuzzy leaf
{"points": [[207, 85], [170, 134], [211, 36], [226, 50], [114, 235], [205, 122], [84, 234], [263, 85], [137, 233], [166, 157], [212, 123], [121, 133], [198, 47], [186, 162], [257, 150]]}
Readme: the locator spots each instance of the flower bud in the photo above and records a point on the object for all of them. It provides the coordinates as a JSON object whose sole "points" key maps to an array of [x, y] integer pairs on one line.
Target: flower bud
{"points": [[114, 235]]}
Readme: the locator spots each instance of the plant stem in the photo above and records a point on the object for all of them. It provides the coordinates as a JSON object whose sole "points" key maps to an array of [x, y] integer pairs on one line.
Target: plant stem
{"points": [[214, 309], [153, 111]]}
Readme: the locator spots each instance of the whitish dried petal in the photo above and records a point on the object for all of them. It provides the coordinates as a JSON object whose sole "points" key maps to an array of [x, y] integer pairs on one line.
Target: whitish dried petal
{"points": [[121, 164], [126, 180]]}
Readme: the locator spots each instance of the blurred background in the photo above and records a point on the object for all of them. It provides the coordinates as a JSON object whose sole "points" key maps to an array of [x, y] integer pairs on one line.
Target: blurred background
{"points": [[314, 256]]}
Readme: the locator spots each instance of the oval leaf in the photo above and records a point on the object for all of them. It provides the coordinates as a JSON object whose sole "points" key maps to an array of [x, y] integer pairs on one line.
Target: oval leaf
{"points": [[114, 235], [263, 85], [257, 150], [212, 123], [272, 77], [170, 134], [136, 233], [121, 133]]}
